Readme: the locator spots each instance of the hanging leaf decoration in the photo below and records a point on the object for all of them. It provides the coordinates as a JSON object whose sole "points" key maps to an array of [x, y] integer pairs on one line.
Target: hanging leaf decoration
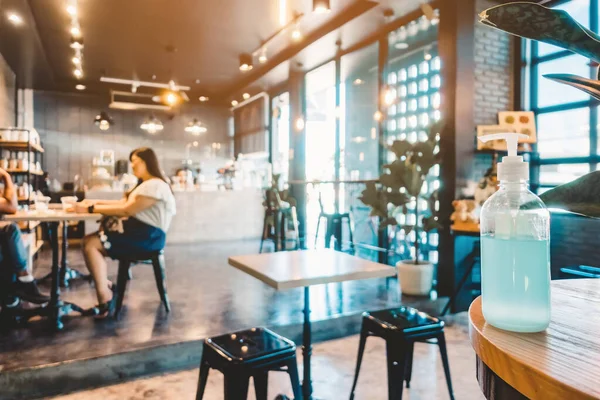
{"points": [[581, 196], [536, 22]]}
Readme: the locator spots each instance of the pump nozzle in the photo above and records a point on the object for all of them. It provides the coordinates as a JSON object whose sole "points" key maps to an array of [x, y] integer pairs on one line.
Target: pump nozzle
{"points": [[512, 140], [512, 168]]}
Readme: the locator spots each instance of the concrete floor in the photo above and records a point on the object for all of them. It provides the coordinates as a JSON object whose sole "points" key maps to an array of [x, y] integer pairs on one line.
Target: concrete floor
{"points": [[333, 371]]}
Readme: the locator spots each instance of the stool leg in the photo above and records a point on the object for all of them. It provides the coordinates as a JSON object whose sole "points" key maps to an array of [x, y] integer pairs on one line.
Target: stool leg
{"points": [[204, 370], [396, 365], [261, 383], [161, 280], [296, 227], [328, 232], [265, 232], [442, 343], [292, 368], [282, 231], [122, 275], [361, 349], [317, 233], [409, 362], [236, 385], [350, 235]]}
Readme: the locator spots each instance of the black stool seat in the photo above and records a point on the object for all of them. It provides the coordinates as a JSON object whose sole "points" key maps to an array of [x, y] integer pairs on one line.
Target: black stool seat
{"points": [[249, 353], [157, 260], [401, 328], [404, 320]]}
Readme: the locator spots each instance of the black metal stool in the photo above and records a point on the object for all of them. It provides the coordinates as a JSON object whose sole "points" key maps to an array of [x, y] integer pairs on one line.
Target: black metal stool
{"points": [[250, 353], [157, 259], [401, 328], [275, 226]]}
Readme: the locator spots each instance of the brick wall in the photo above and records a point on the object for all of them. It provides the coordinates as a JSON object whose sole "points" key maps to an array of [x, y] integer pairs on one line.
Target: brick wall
{"points": [[494, 79]]}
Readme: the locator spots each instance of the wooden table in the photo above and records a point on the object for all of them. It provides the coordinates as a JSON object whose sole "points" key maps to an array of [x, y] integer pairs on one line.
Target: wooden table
{"points": [[305, 268], [52, 218], [561, 363]]}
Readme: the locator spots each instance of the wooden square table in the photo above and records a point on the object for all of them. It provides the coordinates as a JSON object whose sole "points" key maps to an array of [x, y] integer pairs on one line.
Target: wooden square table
{"points": [[305, 268]]}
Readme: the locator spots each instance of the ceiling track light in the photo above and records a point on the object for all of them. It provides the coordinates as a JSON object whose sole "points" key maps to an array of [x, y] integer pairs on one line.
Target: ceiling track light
{"points": [[321, 6], [245, 62], [15, 19], [262, 58], [76, 43], [78, 73], [75, 31], [296, 34]]}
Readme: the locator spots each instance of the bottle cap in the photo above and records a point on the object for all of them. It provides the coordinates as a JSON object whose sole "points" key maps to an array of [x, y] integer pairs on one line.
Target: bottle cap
{"points": [[512, 168]]}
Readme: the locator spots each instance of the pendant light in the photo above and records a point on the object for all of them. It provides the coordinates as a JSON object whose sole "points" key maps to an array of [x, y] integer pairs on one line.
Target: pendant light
{"points": [[321, 6], [196, 128], [103, 121], [152, 125]]}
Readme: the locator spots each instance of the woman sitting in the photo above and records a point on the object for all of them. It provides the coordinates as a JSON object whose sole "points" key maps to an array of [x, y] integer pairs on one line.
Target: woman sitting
{"points": [[148, 210]]}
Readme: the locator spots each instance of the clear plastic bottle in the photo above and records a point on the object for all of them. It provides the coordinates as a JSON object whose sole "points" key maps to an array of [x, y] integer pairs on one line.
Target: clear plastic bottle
{"points": [[515, 250]]}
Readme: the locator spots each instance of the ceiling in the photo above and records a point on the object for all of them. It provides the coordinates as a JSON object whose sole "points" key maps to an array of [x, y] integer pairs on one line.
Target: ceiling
{"points": [[183, 40]]}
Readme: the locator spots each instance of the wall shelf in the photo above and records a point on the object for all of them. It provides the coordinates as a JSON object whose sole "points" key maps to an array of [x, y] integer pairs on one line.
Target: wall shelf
{"points": [[20, 145]]}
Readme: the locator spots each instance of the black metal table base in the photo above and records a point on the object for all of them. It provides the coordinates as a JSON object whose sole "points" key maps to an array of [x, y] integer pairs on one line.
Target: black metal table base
{"points": [[15, 317], [66, 274]]}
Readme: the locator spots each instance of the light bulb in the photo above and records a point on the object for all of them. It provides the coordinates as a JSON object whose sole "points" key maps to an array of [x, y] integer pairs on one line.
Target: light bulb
{"points": [[262, 58], [75, 31], [76, 60], [15, 19], [80, 87], [296, 34], [246, 96], [78, 73], [299, 124], [358, 81], [203, 98], [378, 116], [427, 56], [234, 103], [171, 98], [72, 10]]}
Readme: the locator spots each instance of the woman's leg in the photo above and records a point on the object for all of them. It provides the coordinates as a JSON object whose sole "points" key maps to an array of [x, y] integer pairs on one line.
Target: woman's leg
{"points": [[94, 255]]}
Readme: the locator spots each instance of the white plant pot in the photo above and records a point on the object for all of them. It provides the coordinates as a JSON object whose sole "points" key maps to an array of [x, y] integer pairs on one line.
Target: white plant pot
{"points": [[414, 279]]}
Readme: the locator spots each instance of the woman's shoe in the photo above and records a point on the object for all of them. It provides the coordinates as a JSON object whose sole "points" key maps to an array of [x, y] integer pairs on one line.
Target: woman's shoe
{"points": [[107, 310]]}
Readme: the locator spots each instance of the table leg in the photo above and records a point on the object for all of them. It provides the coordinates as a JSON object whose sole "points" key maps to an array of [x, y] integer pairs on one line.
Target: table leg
{"points": [[55, 312], [66, 273], [307, 348]]}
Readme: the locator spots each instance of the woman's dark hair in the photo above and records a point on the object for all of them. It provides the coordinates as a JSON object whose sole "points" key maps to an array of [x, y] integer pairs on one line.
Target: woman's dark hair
{"points": [[149, 157]]}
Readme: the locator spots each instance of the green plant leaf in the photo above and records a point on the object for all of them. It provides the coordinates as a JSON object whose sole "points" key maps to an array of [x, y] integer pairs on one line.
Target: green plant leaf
{"points": [[401, 148], [581, 196], [424, 157], [398, 199], [590, 86], [536, 22], [376, 199], [407, 229], [430, 223], [385, 222], [413, 180], [395, 179]]}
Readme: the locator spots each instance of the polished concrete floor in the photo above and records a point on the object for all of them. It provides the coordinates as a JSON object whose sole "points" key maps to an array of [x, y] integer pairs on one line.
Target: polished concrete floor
{"points": [[333, 369], [208, 297]]}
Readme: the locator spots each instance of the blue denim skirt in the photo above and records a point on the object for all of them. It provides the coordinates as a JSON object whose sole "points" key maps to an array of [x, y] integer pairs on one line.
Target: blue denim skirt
{"points": [[137, 237]]}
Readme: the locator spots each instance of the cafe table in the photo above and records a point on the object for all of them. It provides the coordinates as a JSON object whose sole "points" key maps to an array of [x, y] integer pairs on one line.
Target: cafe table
{"points": [[306, 268], [56, 308], [562, 362]]}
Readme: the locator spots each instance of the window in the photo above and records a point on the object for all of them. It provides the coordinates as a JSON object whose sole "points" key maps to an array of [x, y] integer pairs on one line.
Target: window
{"points": [[567, 118]]}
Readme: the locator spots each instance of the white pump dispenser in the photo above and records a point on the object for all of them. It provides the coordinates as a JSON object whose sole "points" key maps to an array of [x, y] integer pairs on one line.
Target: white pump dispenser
{"points": [[515, 248], [512, 168]]}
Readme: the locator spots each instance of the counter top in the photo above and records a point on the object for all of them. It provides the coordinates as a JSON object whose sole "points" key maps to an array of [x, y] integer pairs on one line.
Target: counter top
{"points": [[561, 363]]}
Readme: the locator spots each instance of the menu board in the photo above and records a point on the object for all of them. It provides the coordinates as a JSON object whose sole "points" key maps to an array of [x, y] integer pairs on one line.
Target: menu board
{"points": [[250, 127]]}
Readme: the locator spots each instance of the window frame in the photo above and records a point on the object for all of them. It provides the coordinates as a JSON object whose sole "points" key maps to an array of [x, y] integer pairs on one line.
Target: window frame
{"points": [[530, 66]]}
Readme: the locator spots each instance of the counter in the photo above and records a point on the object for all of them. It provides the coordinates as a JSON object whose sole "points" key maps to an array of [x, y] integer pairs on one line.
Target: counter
{"points": [[207, 215], [217, 215]]}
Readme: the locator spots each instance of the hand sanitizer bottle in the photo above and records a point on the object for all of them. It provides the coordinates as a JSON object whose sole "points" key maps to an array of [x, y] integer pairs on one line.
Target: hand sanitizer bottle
{"points": [[515, 248]]}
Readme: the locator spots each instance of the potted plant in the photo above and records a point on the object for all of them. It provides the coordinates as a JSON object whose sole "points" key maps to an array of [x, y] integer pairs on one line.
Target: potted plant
{"points": [[399, 188]]}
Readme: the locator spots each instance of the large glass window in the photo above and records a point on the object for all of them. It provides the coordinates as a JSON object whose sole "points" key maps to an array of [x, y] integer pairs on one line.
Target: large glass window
{"points": [[567, 118], [359, 137], [412, 100]]}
